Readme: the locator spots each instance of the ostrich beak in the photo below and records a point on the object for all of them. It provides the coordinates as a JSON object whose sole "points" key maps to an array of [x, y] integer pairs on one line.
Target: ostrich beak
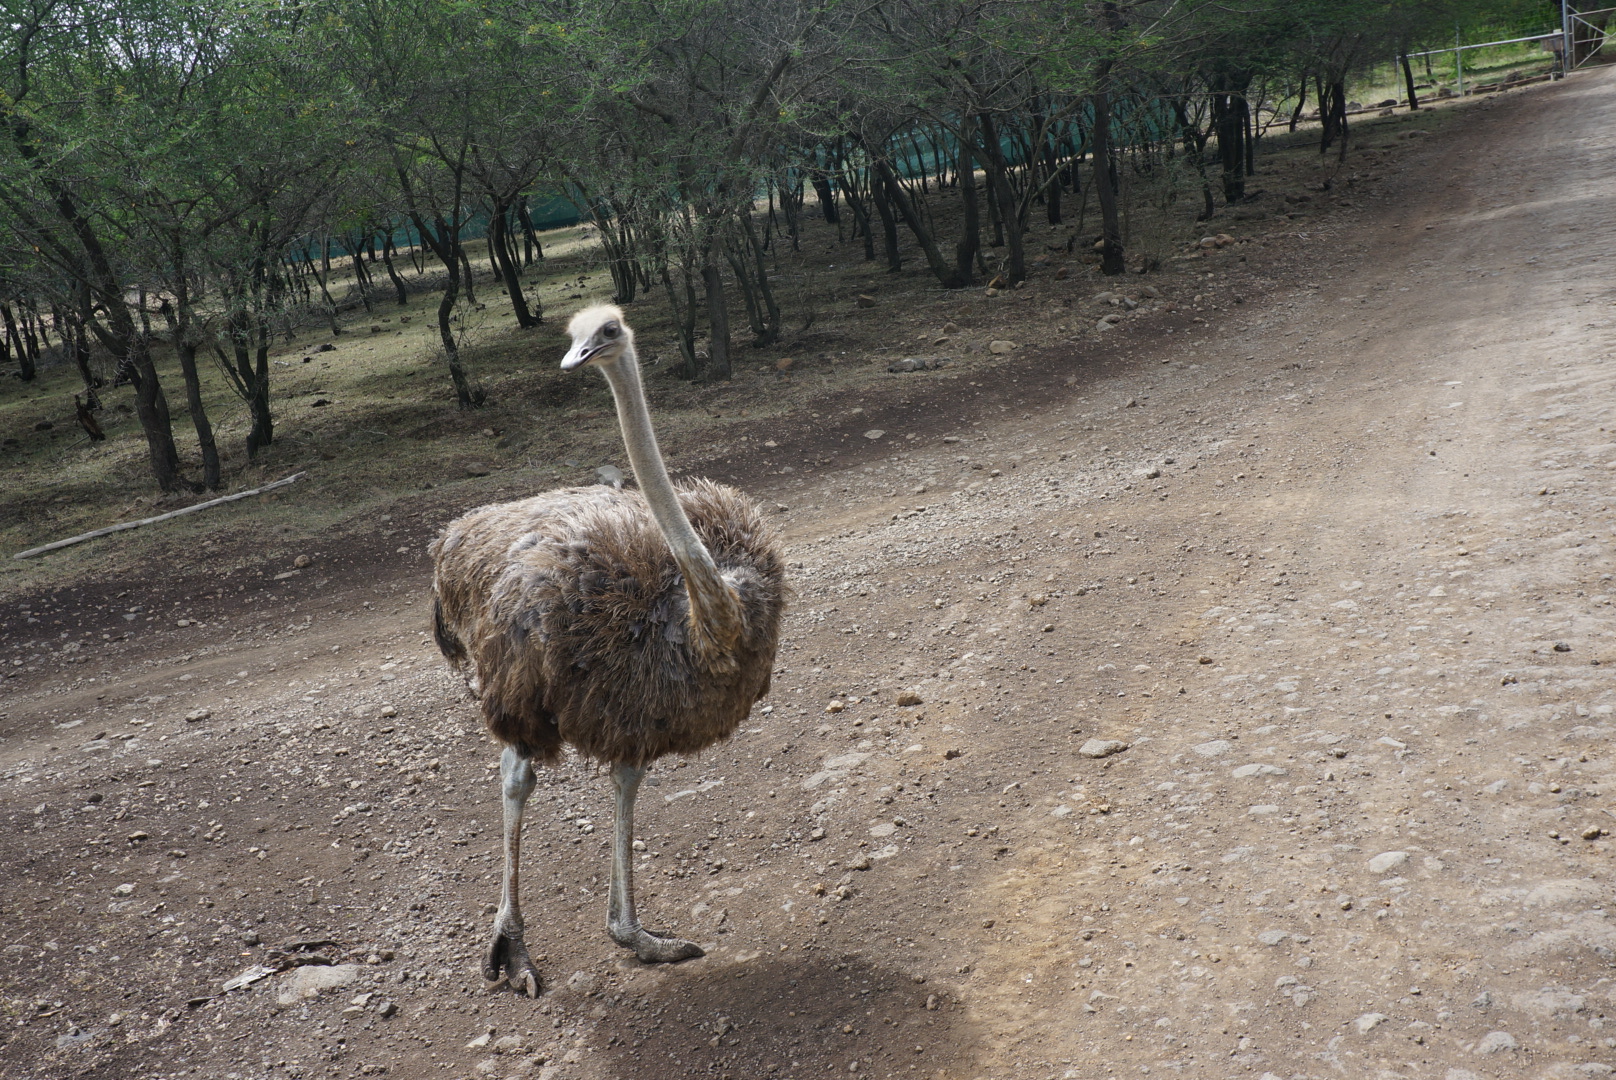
{"points": [[577, 356]]}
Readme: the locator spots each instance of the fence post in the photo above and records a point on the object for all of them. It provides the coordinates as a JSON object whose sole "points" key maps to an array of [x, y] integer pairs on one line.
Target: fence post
{"points": [[1458, 59], [1565, 33]]}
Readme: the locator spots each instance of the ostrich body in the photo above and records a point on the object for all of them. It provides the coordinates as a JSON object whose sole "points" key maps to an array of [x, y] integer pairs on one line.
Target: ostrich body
{"points": [[627, 625]]}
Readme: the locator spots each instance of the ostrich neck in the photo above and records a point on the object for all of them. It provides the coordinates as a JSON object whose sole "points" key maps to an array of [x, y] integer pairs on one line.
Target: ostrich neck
{"points": [[714, 611]]}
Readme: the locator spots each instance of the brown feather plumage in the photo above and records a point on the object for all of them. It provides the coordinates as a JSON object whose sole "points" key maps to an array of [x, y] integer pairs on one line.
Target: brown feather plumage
{"points": [[571, 613]]}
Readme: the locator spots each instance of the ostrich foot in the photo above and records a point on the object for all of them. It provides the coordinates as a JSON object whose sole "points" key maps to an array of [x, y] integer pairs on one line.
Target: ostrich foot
{"points": [[655, 948], [507, 962]]}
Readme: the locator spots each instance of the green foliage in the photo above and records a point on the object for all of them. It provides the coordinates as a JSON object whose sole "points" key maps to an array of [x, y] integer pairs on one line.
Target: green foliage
{"points": [[196, 151]]}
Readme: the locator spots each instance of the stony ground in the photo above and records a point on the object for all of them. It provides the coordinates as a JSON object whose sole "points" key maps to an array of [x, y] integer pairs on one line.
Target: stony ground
{"points": [[1263, 729]]}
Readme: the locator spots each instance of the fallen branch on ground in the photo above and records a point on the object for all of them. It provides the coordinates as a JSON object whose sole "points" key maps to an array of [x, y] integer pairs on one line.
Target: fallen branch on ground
{"points": [[70, 541]]}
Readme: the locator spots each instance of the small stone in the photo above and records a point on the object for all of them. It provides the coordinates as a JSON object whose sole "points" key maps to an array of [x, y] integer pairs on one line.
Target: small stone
{"points": [[125, 889], [860, 863], [386, 1009], [308, 981], [480, 1041], [874, 434], [784, 363], [836, 705], [999, 348], [1560, 646], [1387, 861], [1215, 748], [196, 716], [816, 834], [1102, 748], [906, 698], [301, 561], [1273, 937], [865, 300], [1494, 1041], [477, 468], [1369, 1022], [1592, 832], [1062, 273], [950, 328], [388, 711], [1257, 769]]}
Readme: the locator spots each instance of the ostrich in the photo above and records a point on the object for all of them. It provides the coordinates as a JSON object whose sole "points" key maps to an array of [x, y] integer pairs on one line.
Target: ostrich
{"points": [[628, 625]]}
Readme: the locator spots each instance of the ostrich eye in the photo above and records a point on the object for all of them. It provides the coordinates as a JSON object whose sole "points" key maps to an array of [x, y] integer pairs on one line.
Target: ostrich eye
{"points": [[609, 330]]}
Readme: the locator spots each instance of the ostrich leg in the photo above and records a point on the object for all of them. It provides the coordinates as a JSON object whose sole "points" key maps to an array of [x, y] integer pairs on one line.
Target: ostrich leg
{"points": [[621, 921], [507, 959]]}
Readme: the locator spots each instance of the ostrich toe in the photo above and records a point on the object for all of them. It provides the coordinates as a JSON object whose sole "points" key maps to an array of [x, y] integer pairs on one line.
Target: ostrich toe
{"points": [[507, 961], [657, 949]]}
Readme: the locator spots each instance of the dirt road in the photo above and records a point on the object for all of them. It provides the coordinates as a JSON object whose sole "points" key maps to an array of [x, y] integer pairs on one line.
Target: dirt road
{"points": [[1326, 584]]}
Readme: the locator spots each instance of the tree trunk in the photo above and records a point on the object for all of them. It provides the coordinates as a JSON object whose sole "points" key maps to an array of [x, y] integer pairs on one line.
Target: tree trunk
{"points": [[467, 281], [151, 406], [827, 196], [1195, 150], [1111, 252], [445, 244], [1338, 105], [712, 280], [1231, 154], [1301, 101], [23, 358], [970, 241], [684, 313], [771, 309], [945, 273], [252, 375], [1247, 140], [81, 345], [861, 213], [1408, 80], [1052, 190], [505, 266], [392, 274], [330, 304], [531, 248], [361, 275], [889, 225], [999, 193]]}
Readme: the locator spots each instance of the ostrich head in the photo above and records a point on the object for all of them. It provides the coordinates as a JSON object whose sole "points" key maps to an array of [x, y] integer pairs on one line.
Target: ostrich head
{"points": [[599, 336]]}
